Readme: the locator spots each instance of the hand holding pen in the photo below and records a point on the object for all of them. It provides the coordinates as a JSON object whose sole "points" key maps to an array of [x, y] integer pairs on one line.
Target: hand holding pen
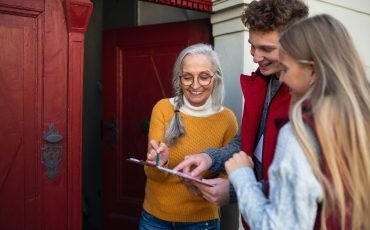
{"points": [[157, 157], [157, 153]]}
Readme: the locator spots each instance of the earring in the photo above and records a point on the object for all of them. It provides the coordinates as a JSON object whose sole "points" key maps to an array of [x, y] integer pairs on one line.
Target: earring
{"points": [[311, 82]]}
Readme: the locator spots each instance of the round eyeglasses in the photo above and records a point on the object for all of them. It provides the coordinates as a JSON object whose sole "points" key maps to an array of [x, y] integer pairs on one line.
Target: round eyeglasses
{"points": [[203, 79]]}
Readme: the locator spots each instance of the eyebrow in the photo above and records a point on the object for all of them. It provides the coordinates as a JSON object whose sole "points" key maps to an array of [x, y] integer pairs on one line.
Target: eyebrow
{"points": [[205, 71], [264, 46]]}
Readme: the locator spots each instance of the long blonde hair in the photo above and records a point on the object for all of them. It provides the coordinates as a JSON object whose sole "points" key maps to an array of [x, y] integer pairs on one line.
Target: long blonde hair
{"points": [[340, 99]]}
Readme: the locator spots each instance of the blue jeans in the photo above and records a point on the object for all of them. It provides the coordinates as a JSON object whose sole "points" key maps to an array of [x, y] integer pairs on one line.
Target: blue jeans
{"points": [[150, 222]]}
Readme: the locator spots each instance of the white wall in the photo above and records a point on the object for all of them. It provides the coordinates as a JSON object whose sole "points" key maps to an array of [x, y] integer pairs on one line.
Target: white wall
{"points": [[362, 6], [355, 15], [231, 44], [230, 38], [231, 58]]}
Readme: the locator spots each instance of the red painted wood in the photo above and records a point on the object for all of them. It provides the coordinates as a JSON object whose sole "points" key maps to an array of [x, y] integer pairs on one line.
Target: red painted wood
{"points": [[200, 5], [26, 5], [75, 67], [40, 83], [54, 110], [19, 123], [137, 72], [78, 16]]}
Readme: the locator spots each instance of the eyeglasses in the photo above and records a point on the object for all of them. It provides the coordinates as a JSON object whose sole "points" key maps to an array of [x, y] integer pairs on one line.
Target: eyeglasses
{"points": [[204, 79]]}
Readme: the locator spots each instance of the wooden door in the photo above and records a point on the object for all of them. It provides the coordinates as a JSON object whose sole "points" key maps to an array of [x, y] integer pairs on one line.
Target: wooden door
{"points": [[19, 123], [40, 119], [137, 72]]}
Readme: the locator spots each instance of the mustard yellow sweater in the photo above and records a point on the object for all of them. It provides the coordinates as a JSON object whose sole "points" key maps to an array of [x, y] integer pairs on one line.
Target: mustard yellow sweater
{"points": [[165, 195]]}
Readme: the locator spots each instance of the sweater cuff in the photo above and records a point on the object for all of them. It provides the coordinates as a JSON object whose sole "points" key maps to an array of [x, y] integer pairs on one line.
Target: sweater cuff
{"points": [[217, 164], [242, 177]]}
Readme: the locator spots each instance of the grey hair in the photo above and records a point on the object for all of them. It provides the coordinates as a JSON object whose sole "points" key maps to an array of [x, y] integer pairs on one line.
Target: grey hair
{"points": [[176, 127]]}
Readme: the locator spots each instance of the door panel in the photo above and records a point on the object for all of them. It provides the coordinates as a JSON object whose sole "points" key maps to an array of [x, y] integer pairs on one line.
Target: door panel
{"points": [[137, 72], [40, 84], [19, 190]]}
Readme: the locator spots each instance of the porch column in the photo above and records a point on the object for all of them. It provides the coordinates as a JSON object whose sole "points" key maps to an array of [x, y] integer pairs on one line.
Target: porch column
{"points": [[78, 14], [231, 43]]}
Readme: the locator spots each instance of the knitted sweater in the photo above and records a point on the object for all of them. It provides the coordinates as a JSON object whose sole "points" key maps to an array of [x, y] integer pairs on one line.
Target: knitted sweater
{"points": [[165, 195], [294, 192]]}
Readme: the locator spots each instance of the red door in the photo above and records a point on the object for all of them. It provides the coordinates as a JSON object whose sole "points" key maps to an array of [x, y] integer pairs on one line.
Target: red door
{"points": [[40, 114], [19, 123], [137, 72]]}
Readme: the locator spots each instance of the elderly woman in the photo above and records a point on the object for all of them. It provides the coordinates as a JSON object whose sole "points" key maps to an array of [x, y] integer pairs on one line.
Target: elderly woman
{"points": [[193, 120]]}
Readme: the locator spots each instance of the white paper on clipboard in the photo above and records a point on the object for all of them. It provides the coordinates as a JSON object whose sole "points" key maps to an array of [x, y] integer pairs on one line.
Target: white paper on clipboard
{"points": [[161, 168]]}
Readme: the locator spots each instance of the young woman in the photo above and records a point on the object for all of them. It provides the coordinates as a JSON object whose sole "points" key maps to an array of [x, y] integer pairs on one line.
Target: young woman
{"points": [[191, 121], [320, 174]]}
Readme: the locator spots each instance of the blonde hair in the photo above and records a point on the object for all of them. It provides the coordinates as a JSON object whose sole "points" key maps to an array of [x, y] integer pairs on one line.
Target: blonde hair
{"points": [[340, 102]]}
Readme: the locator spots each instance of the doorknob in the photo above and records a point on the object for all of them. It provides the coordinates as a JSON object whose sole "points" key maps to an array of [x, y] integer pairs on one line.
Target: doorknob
{"points": [[52, 136], [51, 152]]}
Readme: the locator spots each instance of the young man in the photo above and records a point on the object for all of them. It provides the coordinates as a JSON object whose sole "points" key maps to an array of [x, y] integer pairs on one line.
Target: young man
{"points": [[266, 100]]}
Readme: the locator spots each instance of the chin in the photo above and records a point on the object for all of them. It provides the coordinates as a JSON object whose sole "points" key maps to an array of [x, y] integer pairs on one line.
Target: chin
{"points": [[196, 103], [269, 71]]}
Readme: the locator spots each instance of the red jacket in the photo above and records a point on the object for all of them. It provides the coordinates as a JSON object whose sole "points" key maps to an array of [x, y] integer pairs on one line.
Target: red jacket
{"points": [[254, 89]]}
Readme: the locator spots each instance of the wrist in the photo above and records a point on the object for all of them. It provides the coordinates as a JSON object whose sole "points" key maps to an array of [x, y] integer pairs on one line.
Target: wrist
{"points": [[209, 159]]}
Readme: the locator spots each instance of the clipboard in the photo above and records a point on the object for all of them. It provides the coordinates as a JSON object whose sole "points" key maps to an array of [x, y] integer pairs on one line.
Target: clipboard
{"points": [[161, 168]]}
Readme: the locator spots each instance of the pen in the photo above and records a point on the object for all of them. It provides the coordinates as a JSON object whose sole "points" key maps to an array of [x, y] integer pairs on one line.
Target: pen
{"points": [[157, 157]]}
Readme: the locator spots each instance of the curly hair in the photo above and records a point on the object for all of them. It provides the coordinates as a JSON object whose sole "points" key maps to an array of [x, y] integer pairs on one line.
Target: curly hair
{"points": [[270, 15]]}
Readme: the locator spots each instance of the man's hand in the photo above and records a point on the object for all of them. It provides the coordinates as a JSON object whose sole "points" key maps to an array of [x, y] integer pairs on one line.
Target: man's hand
{"points": [[238, 160], [195, 164], [218, 194]]}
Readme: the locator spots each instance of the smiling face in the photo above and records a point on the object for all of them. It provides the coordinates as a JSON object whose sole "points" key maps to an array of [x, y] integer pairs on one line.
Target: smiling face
{"points": [[265, 51], [299, 77], [197, 65]]}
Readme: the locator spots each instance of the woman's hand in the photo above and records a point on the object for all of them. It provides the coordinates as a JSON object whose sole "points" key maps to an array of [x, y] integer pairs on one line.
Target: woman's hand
{"points": [[155, 148], [238, 160], [218, 193]]}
